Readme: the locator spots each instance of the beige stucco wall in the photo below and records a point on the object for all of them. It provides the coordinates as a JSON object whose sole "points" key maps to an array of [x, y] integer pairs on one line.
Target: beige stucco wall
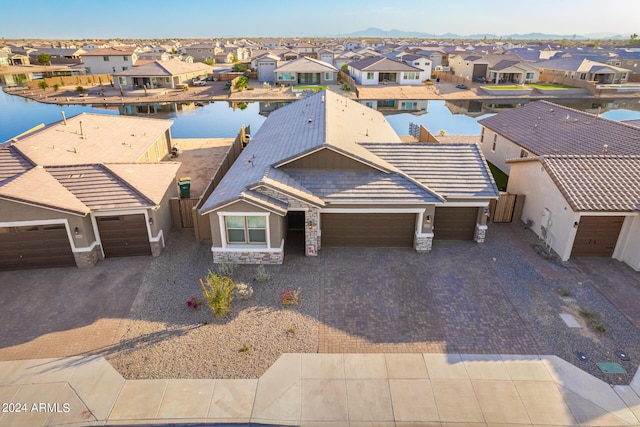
{"points": [[505, 149], [628, 248], [530, 179], [162, 217]]}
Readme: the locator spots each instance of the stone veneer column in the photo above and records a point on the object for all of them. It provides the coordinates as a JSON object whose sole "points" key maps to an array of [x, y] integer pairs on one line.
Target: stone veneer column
{"points": [[88, 258], [156, 248], [423, 242], [311, 237], [480, 234]]}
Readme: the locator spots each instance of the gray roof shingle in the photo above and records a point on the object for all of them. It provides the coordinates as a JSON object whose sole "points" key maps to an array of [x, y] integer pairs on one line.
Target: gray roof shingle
{"points": [[545, 128]]}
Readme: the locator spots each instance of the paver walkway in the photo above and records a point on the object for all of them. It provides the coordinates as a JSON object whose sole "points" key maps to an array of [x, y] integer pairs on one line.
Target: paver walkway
{"points": [[324, 389]]}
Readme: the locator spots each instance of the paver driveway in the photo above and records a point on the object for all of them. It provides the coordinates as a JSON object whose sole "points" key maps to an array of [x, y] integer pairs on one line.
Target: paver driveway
{"points": [[395, 300], [66, 311]]}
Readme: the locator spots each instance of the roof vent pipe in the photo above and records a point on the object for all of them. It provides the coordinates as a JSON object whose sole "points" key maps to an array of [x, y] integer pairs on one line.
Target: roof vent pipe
{"points": [[605, 148], [64, 118], [81, 131]]}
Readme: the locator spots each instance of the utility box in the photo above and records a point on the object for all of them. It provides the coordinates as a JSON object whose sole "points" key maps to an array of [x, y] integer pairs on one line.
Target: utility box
{"points": [[185, 187]]}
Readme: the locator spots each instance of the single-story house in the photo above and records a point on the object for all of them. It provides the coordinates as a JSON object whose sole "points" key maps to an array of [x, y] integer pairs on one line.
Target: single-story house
{"points": [[543, 128], [382, 70], [497, 68], [583, 69], [83, 189], [305, 70], [582, 205], [160, 74], [516, 72], [266, 66], [336, 173]]}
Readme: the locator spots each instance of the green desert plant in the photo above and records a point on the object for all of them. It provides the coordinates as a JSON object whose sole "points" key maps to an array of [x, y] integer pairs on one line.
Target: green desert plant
{"points": [[217, 291]]}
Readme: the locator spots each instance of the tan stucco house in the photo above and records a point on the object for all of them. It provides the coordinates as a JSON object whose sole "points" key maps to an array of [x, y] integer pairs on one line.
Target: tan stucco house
{"points": [[582, 205], [160, 74], [336, 173], [85, 188]]}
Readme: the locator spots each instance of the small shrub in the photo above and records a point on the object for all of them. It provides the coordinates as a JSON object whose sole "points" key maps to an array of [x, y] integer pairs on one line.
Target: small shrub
{"points": [[185, 88], [56, 87], [194, 303], [262, 275], [89, 81], [43, 85], [442, 132], [227, 269], [79, 89], [564, 292], [289, 297], [291, 331], [217, 291], [244, 349], [241, 83], [346, 87], [593, 320], [243, 291]]}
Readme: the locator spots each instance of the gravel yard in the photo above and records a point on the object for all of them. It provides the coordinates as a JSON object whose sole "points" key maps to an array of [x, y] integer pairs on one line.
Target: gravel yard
{"points": [[508, 290]]}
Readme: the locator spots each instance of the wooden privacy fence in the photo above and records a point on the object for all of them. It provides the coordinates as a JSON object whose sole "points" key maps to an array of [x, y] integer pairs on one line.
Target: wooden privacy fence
{"points": [[506, 208], [84, 80]]}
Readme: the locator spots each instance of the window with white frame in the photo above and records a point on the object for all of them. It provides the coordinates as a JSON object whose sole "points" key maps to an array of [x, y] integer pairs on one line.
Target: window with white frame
{"points": [[369, 76], [125, 58], [246, 229], [122, 80], [105, 58], [482, 135], [328, 76], [411, 76]]}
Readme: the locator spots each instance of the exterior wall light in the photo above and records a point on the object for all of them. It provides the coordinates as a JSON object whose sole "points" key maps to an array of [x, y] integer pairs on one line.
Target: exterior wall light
{"points": [[76, 231], [150, 221], [427, 220]]}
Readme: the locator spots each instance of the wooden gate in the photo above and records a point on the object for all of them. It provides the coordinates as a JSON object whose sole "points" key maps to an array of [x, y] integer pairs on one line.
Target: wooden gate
{"points": [[506, 207], [186, 212]]}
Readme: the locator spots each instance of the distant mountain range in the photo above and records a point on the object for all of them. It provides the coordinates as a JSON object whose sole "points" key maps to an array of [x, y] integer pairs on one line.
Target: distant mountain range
{"points": [[379, 33]]}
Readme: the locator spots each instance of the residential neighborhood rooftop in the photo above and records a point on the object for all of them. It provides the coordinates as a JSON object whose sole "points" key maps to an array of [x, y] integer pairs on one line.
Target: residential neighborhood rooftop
{"points": [[169, 67], [381, 64], [545, 128]]}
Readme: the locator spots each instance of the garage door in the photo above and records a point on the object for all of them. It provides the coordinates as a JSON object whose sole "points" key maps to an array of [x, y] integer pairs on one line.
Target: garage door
{"points": [[124, 235], [38, 246], [597, 236], [266, 71], [455, 223], [366, 230]]}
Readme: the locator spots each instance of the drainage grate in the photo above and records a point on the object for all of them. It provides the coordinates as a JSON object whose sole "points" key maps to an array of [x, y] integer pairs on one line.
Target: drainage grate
{"points": [[623, 355], [583, 357], [611, 368]]}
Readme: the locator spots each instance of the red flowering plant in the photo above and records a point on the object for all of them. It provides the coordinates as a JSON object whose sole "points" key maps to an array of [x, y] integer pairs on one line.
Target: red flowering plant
{"points": [[194, 303], [290, 297]]}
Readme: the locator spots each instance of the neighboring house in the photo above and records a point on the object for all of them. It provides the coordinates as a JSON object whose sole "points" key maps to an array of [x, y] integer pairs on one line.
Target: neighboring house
{"points": [[265, 66], [160, 74], [59, 55], [582, 205], [397, 105], [282, 54], [4, 58], [153, 56], [516, 72], [19, 59], [326, 55], [306, 70], [200, 51], [109, 60], [583, 69], [381, 70], [543, 128], [83, 189], [335, 173], [306, 49]]}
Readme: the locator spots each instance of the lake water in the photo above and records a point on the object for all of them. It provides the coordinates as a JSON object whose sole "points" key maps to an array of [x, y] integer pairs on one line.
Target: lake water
{"points": [[223, 119]]}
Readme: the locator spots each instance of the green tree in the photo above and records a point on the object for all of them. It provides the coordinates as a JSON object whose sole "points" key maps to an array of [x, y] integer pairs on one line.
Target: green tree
{"points": [[344, 68], [241, 67], [242, 83], [209, 61], [44, 58], [43, 85]]}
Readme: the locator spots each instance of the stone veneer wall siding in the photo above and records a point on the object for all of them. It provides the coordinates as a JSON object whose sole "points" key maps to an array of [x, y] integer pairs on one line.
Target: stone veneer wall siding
{"points": [[480, 234], [89, 258], [237, 257], [423, 242], [311, 215]]}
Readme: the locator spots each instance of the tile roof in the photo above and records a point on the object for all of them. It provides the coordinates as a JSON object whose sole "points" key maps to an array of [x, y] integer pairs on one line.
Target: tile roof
{"points": [[635, 122], [305, 65], [545, 128], [597, 183], [362, 186], [109, 139], [12, 163], [110, 51], [40, 188], [97, 187], [170, 67], [381, 64], [322, 120], [149, 179], [451, 170]]}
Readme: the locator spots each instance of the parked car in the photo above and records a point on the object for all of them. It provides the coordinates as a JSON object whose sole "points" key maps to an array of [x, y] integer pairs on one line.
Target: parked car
{"points": [[461, 87], [197, 82]]}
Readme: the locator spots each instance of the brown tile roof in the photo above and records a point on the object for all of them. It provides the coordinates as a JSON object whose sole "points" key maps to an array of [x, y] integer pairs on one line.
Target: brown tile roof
{"points": [[171, 67], [40, 188], [597, 183], [382, 64], [546, 128], [12, 163], [150, 179], [110, 51]]}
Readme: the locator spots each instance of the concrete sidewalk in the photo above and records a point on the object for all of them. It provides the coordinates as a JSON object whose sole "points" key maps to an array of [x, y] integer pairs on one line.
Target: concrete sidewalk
{"points": [[324, 389]]}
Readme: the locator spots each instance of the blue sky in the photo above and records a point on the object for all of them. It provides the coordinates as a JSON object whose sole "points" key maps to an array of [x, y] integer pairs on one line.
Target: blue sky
{"points": [[74, 19]]}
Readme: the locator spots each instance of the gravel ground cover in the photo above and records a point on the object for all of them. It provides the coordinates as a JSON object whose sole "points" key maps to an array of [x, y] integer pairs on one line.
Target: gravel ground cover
{"points": [[164, 338]]}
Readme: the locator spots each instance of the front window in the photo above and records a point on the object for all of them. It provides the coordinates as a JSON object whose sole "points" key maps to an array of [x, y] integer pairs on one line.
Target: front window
{"points": [[328, 76], [122, 80], [246, 229], [369, 76], [287, 76], [105, 58], [411, 76], [125, 58]]}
